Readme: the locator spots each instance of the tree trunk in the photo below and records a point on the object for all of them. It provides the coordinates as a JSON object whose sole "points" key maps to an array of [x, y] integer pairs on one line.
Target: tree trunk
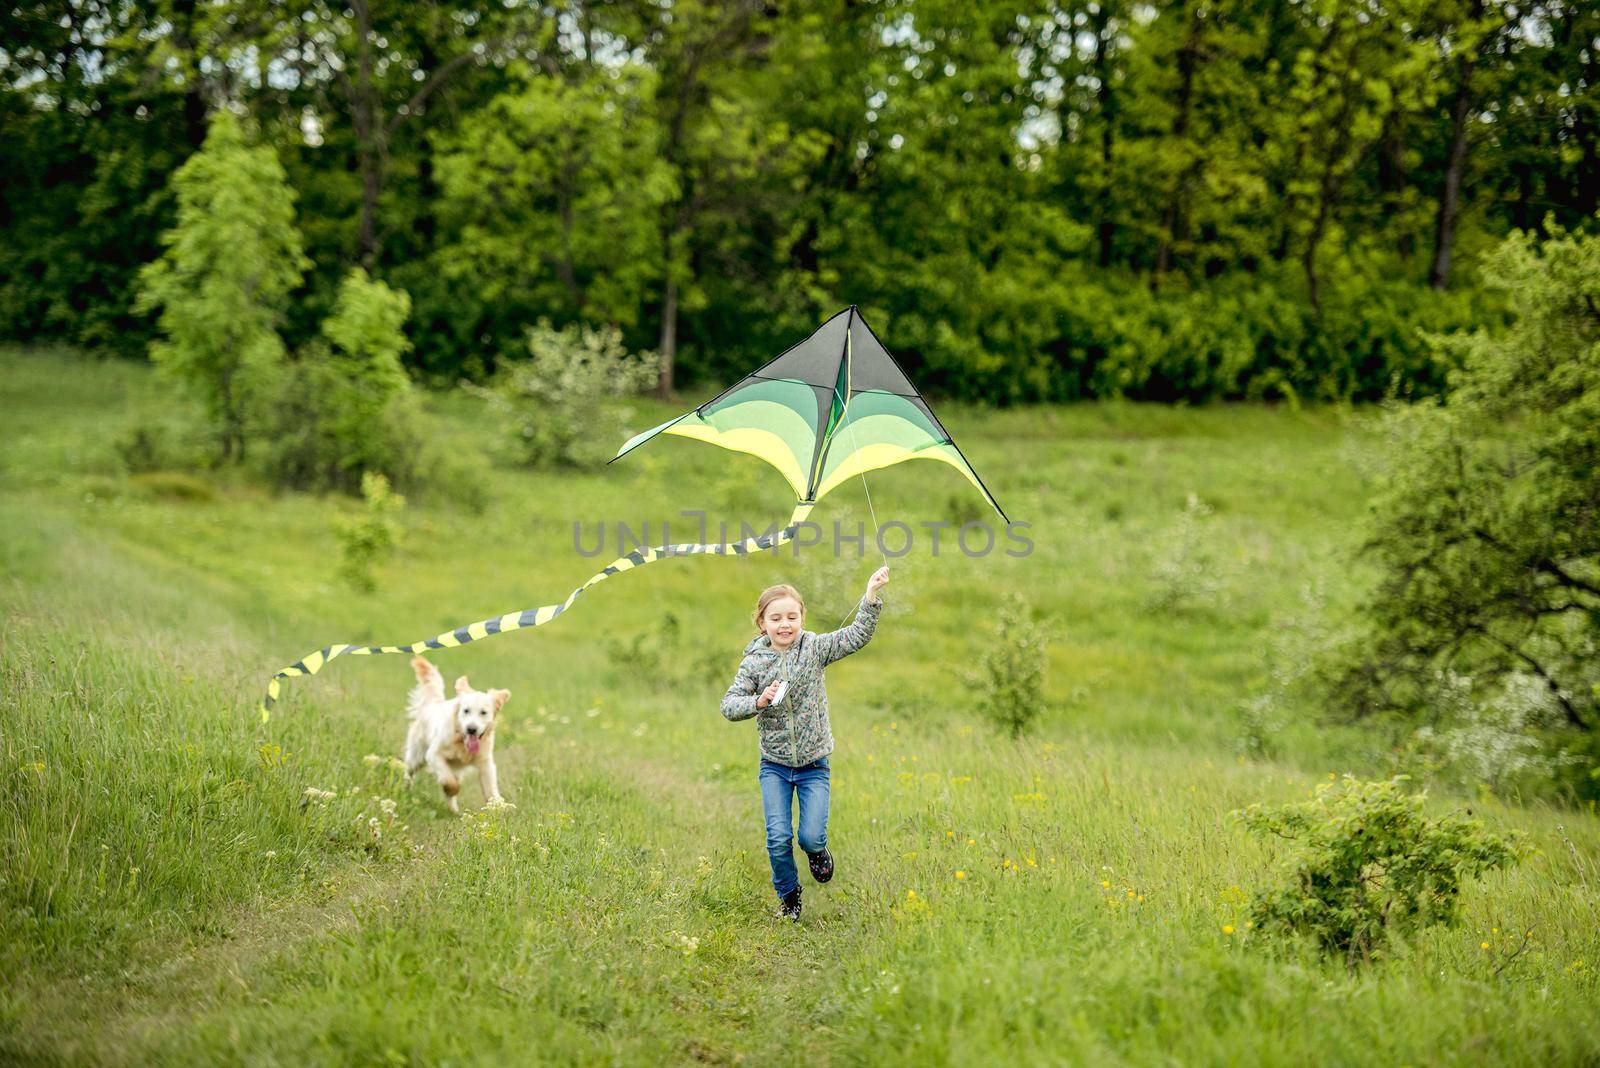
{"points": [[1444, 234], [369, 131], [1328, 194], [1106, 230], [427, 183], [1172, 216], [1392, 181], [194, 101], [668, 346]]}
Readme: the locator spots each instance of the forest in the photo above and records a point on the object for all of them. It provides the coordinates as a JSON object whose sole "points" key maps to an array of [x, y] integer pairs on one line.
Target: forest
{"points": [[1185, 200]]}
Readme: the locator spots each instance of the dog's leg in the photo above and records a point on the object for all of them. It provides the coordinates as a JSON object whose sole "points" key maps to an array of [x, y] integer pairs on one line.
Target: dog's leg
{"points": [[416, 752], [447, 780], [491, 785]]}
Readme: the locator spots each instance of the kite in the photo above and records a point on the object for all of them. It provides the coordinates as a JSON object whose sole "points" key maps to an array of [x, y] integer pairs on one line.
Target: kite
{"points": [[831, 408]]}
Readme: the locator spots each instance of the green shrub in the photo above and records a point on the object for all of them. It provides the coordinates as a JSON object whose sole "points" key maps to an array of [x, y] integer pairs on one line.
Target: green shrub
{"points": [[164, 444], [371, 536], [344, 407], [1367, 866], [1009, 679], [559, 406], [173, 486]]}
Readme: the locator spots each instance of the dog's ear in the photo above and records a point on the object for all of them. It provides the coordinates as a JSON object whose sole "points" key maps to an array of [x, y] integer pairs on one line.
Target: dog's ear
{"points": [[500, 698], [462, 685]]}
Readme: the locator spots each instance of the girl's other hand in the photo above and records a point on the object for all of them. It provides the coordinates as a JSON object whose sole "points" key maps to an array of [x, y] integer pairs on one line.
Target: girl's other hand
{"points": [[879, 579], [768, 694]]}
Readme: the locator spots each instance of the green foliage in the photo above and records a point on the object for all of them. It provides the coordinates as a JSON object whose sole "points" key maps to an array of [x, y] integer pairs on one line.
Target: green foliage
{"points": [[1171, 200], [558, 408], [1486, 527], [1008, 682], [171, 442], [344, 406], [1367, 866], [552, 191], [371, 536], [223, 282]]}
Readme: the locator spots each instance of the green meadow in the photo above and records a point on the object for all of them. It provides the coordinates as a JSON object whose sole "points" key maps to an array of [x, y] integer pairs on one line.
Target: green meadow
{"points": [[170, 893]]}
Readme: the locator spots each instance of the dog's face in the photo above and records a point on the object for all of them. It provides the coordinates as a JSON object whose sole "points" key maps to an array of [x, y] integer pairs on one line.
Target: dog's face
{"points": [[476, 711]]}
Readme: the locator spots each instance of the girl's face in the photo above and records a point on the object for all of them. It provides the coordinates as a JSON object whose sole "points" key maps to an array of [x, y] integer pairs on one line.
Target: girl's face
{"points": [[781, 622]]}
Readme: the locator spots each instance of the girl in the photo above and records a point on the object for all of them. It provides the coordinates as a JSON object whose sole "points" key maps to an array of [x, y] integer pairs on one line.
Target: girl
{"points": [[780, 683]]}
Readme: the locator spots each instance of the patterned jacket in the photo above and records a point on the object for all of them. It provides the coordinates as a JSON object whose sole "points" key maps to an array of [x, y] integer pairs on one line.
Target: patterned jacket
{"points": [[795, 731]]}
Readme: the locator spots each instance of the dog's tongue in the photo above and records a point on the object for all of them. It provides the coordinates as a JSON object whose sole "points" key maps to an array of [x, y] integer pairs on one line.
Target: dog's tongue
{"points": [[473, 741]]}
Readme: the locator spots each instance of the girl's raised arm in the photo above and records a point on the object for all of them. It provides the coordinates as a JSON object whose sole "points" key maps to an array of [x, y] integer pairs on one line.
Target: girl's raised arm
{"points": [[838, 644]]}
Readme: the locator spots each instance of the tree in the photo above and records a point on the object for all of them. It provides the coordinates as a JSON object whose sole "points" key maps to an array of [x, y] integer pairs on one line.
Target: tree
{"points": [[1343, 88], [1470, 31], [231, 260], [344, 408], [696, 47], [1487, 528], [553, 191]]}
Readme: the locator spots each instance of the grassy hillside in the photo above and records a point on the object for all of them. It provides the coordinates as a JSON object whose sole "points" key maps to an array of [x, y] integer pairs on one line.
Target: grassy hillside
{"points": [[171, 895]]}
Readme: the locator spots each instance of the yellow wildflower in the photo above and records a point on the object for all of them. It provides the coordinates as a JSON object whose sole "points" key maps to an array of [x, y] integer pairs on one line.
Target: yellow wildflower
{"points": [[961, 875], [1227, 928]]}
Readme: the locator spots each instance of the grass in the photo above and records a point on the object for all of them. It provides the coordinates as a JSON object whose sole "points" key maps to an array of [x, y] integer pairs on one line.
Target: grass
{"points": [[169, 894]]}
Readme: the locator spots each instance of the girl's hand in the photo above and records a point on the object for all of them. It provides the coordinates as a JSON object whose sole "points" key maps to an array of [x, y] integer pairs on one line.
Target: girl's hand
{"points": [[768, 694], [879, 579]]}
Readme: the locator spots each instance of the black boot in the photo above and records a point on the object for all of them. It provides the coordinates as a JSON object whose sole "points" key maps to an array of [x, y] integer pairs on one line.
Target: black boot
{"points": [[789, 905], [821, 865]]}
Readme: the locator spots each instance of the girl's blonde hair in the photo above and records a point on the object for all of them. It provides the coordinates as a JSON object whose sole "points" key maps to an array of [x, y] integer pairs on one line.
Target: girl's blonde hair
{"points": [[772, 593]]}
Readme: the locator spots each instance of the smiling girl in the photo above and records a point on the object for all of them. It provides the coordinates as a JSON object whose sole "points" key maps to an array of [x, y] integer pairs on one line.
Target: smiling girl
{"points": [[780, 684]]}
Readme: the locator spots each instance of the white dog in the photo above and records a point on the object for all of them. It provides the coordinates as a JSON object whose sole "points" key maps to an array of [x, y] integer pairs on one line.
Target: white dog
{"points": [[449, 736]]}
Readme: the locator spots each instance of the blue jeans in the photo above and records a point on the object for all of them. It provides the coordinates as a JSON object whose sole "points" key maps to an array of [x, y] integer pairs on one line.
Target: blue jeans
{"points": [[779, 783]]}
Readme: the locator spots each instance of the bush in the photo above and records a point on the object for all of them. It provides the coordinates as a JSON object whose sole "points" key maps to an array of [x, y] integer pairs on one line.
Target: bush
{"points": [[1009, 681], [559, 405], [344, 407], [1367, 866], [370, 537], [166, 444], [172, 486]]}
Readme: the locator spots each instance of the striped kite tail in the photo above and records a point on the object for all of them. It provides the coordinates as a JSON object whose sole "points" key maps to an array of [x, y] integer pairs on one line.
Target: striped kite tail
{"points": [[314, 662]]}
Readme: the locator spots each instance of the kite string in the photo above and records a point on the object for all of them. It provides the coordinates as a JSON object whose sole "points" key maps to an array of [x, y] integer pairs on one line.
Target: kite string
{"points": [[876, 533]]}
